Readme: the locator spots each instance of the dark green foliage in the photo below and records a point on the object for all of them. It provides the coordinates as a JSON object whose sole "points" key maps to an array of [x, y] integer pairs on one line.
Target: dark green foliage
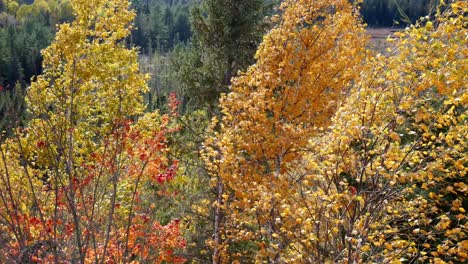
{"points": [[161, 24], [10, 68], [12, 109], [378, 13], [20, 60], [182, 30], [226, 36]]}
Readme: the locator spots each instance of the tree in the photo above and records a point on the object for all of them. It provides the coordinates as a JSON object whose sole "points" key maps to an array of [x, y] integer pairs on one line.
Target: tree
{"points": [[20, 44], [226, 34], [2, 6], [12, 108], [79, 182], [168, 18], [182, 29], [304, 66], [425, 220], [381, 182], [225, 37], [384, 183], [160, 25]]}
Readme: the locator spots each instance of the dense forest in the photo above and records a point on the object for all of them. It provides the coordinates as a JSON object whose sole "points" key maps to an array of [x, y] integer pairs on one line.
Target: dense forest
{"points": [[163, 32], [233, 131]]}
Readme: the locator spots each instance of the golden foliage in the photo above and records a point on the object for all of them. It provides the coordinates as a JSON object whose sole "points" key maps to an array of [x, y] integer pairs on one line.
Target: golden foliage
{"points": [[78, 181], [303, 67], [383, 181]]}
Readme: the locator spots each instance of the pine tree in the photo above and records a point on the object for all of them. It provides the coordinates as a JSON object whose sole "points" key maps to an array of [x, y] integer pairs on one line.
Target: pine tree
{"points": [[226, 34]]}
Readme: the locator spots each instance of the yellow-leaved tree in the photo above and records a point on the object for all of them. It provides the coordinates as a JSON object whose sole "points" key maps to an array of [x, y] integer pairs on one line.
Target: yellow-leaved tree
{"points": [[385, 182], [78, 182], [304, 66]]}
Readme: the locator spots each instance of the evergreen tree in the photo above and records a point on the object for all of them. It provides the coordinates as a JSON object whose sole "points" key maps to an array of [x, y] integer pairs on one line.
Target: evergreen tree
{"points": [[168, 19], [20, 44], [226, 36], [161, 24], [182, 29], [12, 108]]}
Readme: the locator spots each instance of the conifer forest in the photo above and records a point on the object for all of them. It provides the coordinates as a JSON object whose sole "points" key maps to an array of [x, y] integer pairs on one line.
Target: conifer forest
{"points": [[233, 131]]}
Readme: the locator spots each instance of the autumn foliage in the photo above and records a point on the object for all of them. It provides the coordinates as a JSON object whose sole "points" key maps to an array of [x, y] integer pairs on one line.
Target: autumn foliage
{"points": [[304, 66], [391, 186], [78, 183], [325, 151], [376, 176]]}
